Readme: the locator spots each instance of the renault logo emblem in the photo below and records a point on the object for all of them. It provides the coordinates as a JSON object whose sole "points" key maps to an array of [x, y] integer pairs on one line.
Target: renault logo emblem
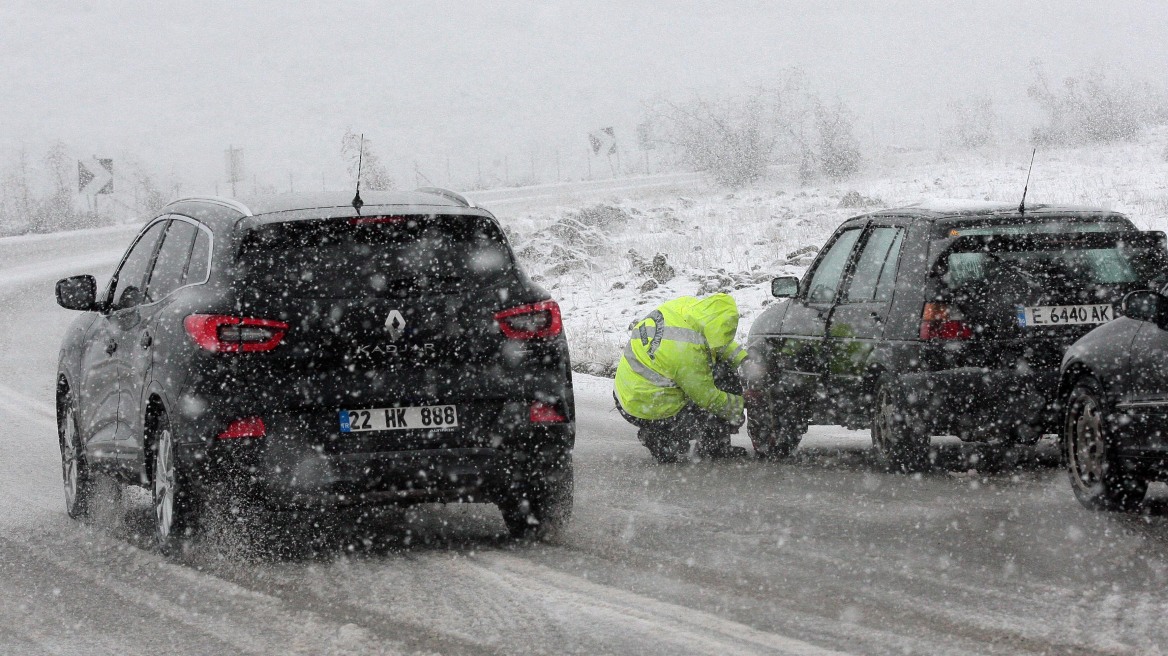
{"points": [[395, 323]]}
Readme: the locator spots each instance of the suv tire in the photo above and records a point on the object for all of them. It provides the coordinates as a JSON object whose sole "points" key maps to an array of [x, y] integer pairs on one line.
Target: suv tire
{"points": [[774, 432], [75, 474], [176, 507], [541, 509], [1096, 475], [900, 441]]}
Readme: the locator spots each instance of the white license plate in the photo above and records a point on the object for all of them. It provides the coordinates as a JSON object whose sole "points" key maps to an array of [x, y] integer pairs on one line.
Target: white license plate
{"points": [[419, 417], [1065, 315]]}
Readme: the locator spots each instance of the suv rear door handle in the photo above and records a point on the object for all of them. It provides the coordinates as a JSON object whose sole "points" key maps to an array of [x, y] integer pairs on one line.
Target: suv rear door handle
{"points": [[111, 346], [147, 340]]}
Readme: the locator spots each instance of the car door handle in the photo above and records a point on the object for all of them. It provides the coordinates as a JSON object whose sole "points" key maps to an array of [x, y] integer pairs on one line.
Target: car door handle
{"points": [[111, 346], [147, 340]]}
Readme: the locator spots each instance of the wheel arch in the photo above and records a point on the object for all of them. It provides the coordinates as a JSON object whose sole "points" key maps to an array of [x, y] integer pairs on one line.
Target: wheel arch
{"points": [[155, 407]]}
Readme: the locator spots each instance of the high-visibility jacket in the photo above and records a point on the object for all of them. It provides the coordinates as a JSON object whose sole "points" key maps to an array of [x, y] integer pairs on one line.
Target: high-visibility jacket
{"points": [[668, 361]]}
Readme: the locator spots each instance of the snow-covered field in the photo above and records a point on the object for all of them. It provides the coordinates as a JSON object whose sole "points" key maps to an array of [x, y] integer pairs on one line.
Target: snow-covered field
{"points": [[597, 258]]}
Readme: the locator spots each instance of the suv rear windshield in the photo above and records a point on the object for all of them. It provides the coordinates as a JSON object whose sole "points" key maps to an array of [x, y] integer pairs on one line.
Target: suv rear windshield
{"points": [[1050, 262], [1030, 226], [376, 256]]}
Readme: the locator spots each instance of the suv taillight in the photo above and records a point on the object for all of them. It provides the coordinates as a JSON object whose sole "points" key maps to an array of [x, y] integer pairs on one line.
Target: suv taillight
{"points": [[534, 321], [941, 321], [224, 334]]}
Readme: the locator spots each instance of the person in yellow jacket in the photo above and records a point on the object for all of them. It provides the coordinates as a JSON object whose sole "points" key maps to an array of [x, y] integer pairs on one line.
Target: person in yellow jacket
{"points": [[677, 378]]}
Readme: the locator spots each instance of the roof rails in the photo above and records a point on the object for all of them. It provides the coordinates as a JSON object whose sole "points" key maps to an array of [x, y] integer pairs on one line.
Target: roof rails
{"points": [[449, 195], [216, 200]]}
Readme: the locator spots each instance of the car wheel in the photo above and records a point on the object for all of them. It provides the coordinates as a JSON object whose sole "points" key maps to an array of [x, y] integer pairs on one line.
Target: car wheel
{"points": [[75, 474], [1098, 480], [176, 510], [775, 433], [902, 444], [541, 509]]}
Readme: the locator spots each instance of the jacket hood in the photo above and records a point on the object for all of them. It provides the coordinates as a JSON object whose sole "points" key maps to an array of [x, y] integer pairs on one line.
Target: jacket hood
{"points": [[716, 317]]}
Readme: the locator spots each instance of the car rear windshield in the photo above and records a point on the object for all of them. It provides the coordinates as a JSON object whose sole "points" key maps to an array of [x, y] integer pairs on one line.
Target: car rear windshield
{"points": [[1030, 226], [376, 256], [1051, 262]]}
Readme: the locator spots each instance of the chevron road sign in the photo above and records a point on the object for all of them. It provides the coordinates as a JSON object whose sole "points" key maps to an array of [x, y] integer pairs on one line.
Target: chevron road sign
{"points": [[95, 176]]}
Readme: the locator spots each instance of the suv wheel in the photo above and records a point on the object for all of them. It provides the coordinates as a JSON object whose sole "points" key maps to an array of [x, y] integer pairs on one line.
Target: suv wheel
{"points": [[1096, 476], [541, 509], [74, 468], [176, 510], [903, 445], [774, 432]]}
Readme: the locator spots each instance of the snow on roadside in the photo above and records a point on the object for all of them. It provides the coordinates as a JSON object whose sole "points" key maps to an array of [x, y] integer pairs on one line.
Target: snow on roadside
{"points": [[597, 260]]}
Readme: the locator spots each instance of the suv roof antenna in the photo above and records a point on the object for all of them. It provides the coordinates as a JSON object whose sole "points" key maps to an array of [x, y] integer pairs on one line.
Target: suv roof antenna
{"points": [[1022, 205], [357, 202]]}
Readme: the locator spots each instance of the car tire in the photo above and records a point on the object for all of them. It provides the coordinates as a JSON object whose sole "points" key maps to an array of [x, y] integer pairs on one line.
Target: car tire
{"points": [[176, 506], [541, 509], [75, 473], [1097, 477], [900, 441], [775, 433]]}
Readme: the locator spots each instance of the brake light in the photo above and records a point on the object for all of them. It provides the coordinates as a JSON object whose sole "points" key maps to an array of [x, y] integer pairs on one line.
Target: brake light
{"points": [[224, 334], [366, 220], [941, 321], [242, 428], [545, 413], [534, 321]]}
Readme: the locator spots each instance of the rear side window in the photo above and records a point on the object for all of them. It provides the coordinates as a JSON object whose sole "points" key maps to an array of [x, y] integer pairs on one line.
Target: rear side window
{"points": [[376, 256], [875, 273], [171, 261], [199, 266]]}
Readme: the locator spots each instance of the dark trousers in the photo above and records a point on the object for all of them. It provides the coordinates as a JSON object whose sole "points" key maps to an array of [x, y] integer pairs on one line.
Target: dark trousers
{"points": [[670, 437]]}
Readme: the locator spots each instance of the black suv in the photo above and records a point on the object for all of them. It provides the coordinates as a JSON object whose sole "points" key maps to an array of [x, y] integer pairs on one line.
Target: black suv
{"points": [[939, 319], [1115, 391], [314, 354]]}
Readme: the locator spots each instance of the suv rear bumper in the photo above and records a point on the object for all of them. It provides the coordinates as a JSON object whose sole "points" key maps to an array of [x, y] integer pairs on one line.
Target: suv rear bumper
{"points": [[285, 478], [976, 403]]}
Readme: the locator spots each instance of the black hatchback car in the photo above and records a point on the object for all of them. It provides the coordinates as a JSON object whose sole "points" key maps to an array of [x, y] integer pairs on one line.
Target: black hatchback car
{"points": [[939, 319], [315, 354], [1115, 395]]}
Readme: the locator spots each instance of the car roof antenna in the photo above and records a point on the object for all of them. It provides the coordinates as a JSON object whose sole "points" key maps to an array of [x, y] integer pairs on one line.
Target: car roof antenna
{"points": [[1022, 205], [357, 202]]}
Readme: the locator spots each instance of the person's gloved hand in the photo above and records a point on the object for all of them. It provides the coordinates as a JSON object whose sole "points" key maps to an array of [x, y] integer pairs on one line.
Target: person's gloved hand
{"points": [[738, 418]]}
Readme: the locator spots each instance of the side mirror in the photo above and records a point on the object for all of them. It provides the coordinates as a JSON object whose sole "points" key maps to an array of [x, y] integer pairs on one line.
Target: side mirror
{"points": [[1144, 305], [784, 287], [77, 293]]}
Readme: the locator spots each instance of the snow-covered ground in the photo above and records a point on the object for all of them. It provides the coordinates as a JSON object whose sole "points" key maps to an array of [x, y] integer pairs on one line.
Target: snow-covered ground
{"points": [[597, 258]]}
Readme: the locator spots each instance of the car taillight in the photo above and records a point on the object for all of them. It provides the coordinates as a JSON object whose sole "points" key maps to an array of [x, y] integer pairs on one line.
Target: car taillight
{"points": [[244, 428], [534, 321], [545, 413], [941, 321], [224, 334]]}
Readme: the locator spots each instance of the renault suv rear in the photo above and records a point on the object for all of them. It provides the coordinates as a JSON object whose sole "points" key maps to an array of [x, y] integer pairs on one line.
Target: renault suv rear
{"points": [[390, 353]]}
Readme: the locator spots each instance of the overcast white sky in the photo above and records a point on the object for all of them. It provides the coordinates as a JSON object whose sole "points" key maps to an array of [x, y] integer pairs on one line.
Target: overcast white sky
{"points": [[175, 83]]}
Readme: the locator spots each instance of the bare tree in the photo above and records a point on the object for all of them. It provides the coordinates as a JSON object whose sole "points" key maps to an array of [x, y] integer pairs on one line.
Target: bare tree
{"points": [[1094, 107], [374, 175]]}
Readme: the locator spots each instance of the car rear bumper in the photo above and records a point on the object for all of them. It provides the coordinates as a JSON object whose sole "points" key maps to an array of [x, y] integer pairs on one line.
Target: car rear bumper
{"points": [[304, 461], [980, 404]]}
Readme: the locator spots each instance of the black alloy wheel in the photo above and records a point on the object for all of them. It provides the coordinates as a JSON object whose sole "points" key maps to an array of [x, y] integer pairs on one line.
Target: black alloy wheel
{"points": [[1098, 480], [176, 509]]}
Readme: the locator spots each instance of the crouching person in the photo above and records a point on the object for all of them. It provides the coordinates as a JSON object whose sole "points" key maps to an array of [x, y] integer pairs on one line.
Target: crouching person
{"points": [[677, 380]]}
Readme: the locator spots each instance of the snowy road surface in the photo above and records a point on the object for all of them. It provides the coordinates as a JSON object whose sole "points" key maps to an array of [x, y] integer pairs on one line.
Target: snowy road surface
{"points": [[826, 554]]}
